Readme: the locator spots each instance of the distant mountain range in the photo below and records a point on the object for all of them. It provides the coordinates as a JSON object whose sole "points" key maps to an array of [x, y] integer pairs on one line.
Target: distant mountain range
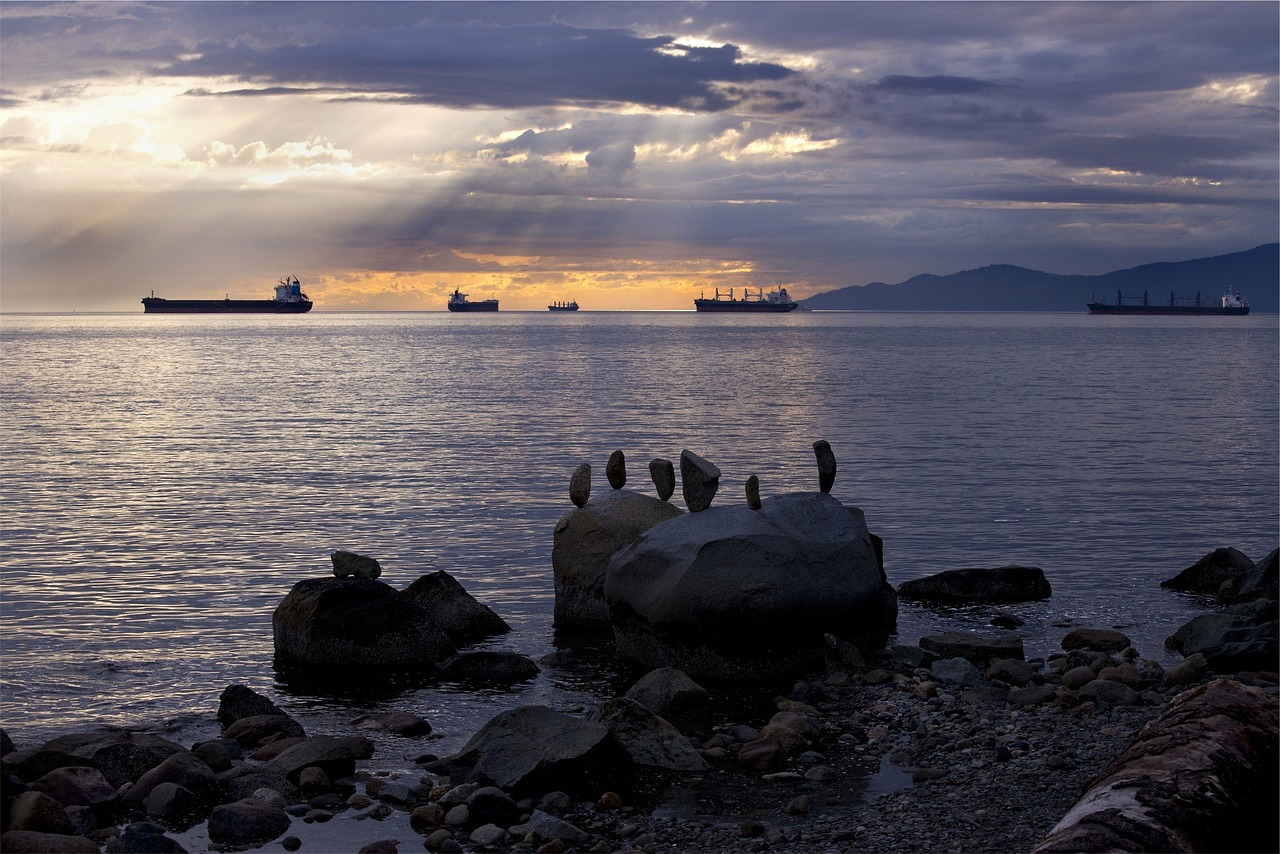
{"points": [[1003, 287]]}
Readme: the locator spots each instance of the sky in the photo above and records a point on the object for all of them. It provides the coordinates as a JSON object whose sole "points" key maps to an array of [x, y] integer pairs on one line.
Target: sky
{"points": [[626, 155]]}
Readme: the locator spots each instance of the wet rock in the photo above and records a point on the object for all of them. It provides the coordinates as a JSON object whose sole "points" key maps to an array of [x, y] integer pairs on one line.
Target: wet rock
{"points": [[580, 485], [977, 649], [1102, 640], [170, 801], [533, 749], [400, 723], [247, 822], [37, 812], [826, 465], [348, 564], [46, 843], [453, 609], [1260, 582], [1239, 637], [492, 667], [353, 625], [1208, 574], [491, 805], [699, 480], [240, 701], [616, 470], [335, 756], [663, 474], [256, 730], [985, 586]]}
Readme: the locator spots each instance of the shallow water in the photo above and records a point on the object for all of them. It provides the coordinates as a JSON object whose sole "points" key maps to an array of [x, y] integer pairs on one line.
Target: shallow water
{"points": [[166, 480]]}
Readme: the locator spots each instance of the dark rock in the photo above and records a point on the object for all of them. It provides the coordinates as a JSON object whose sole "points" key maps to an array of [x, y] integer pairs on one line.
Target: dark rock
{"points": [[1006, 620], [184, 769], [731, 593], [355, 624], [493, 667], [753, 492], [243, 780], [699, 480], [144, 837], [217, 754], [31, 842], [763, 756], [400, 723], [122, 757], [453, 609], [673, 695], [347, 564], [170, 801], [258, 729], [335, 756], [664, 477], [491, 805], [532, 749], [1239, 637], [78, 786], [6, 744], [1106, 694], [38, 812], [979, 650], [247, 822], [584, 540], [1032, 696], [1208, 574], [616, 470], [826, 465], [580, 485], [240, 701], [649, 740], [1103, 640], [30, 765], [979, 586], [1260, 582]]}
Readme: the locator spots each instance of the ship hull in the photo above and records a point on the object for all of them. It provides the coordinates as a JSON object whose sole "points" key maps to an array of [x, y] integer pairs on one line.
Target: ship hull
{"points": [[739, 307], [562, 308], [474, 306], [159, 305], [1166, 310]]}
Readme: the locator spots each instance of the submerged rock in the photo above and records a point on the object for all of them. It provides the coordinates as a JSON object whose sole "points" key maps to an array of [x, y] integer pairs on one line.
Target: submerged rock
{"points": [[979, 586], [1208, 574]]}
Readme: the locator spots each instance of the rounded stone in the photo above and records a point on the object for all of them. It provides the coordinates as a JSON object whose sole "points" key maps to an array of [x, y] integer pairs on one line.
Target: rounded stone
{"points": [[663, 473], [826, 464], [753, 492], [580, 485], [616, 470]]}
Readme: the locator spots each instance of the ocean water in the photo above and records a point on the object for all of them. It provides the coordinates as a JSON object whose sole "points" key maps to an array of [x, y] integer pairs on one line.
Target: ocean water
{"points": [[164, 481]]}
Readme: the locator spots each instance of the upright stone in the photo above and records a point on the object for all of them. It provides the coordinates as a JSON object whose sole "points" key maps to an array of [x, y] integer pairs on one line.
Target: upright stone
{"points": [[616, 470], [753, 492], [826, 464], [699, 479], [580, 485], [664, 477]]}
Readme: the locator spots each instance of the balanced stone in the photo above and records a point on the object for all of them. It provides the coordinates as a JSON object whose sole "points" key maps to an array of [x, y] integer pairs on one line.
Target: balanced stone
{"points": [[580, 485], [699, 479], [616, 470], [664, 477], [753, 492], [826, 464]]}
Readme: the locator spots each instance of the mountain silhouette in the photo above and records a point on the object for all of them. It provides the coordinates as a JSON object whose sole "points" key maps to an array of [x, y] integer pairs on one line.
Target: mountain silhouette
{"points": [[1003, 287]]}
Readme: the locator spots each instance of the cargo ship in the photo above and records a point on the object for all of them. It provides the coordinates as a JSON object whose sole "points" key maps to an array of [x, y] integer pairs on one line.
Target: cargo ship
{"points": [[777, 300], [572, 305], [289, 299], [1230, 303], [458, 302]]}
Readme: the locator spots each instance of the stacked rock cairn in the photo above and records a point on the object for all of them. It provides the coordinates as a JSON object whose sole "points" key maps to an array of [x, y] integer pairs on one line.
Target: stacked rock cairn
{"points": [[699, 478]]}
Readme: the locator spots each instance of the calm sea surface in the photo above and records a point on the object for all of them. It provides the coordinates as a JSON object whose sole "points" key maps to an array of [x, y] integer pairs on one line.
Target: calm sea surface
{"points": [[165, 480]]}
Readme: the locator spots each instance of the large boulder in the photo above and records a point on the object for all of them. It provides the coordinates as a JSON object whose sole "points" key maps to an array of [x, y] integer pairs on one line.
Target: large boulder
{"points": [[1239, 637], [453, 609], [979, 586], [738, 594], [584, 540], [1260, 582], [1208, 574], [532, 750], [355, 624]]}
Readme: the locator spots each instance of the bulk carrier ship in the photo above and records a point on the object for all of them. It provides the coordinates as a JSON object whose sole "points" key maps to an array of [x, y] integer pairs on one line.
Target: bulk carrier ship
{"points": [[1230, 303], [289, 299]]}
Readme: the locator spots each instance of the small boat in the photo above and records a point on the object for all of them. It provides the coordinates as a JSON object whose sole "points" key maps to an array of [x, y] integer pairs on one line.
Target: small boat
{"points": [[1230, 303], [458, 302], [777, 300], [572, 305], [289, 299]]}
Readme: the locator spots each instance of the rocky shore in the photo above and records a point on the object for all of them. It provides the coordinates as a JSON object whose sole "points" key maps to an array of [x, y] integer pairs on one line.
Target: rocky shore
{"points": [[902, 756]]}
